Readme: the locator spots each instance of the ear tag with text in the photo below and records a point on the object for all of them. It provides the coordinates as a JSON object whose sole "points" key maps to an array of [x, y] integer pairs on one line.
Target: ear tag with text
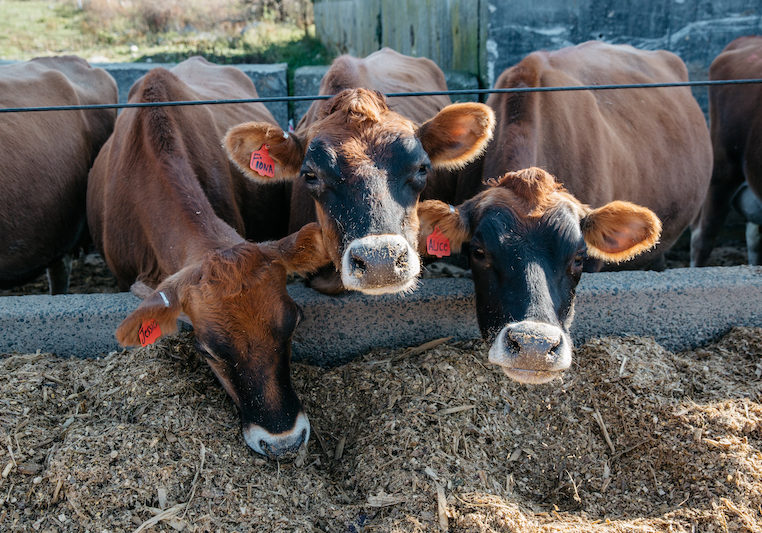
{"points": [[149, 332], [438, 244], [262, 163]]}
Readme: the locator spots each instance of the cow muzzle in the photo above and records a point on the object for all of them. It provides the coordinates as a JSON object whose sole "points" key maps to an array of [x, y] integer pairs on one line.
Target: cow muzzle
{"points": [[379, 264], [531, 352], [278, 446]]}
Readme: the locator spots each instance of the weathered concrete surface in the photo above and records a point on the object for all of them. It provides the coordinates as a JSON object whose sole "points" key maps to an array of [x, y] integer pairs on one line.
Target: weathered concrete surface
{"points": [[270, 80], [696, 30], [680, 308], [307, 82]]}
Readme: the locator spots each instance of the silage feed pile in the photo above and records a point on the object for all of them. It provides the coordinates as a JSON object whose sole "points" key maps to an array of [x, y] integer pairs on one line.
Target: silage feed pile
{"points": [[635, 438]]}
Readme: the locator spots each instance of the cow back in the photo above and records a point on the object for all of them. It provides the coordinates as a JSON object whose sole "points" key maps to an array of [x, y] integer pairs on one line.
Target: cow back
{"points": [[386, 71], [46, 157]]}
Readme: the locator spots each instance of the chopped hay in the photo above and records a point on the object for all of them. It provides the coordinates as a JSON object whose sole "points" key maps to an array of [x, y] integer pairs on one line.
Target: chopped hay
{"points": [[635, 438]]}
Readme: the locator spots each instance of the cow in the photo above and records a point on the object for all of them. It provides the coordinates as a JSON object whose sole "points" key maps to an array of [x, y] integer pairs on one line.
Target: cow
{"points": [[647, 147], [359, 162], [44, 165], [736, 131], [529, 239], [166, 211]]}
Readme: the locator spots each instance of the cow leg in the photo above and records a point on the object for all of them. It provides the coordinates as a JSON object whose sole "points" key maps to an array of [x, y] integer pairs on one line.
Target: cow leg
{"points": [[58, 275], [753, 244], [725, 180]]}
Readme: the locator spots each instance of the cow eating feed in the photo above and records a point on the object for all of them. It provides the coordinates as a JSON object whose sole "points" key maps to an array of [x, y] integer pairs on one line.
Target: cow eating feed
{"points": [[168, 210]]}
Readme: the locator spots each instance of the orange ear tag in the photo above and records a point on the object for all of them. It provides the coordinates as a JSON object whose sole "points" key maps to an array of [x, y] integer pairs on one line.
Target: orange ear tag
{"points": [[149, 332], [438, 244], [262, 163]]}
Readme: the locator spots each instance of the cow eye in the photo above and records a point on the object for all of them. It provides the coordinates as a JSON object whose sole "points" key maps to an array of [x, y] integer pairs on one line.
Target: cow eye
{"points": [[423, 169], [310, 178], [578, 262], [477, 252]]}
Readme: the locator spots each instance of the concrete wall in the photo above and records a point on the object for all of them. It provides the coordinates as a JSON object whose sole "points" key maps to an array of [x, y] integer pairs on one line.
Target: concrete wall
{"points": [[696, 30], [487, 36], [680, 308]]}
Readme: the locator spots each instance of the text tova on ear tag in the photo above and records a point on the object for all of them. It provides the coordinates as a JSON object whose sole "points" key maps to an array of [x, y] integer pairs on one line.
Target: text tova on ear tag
{"points": [[438, 244], [262, 163], [149, 332]]}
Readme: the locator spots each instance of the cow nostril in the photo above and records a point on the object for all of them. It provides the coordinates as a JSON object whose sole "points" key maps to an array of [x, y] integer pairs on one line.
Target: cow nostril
{"points": [[401, 262], [359, 266]]}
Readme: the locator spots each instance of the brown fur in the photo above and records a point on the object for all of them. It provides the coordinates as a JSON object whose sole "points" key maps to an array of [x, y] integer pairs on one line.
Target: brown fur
{"points": [[45, 161]]}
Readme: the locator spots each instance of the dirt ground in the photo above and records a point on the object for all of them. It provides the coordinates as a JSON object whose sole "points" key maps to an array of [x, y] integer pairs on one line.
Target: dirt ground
{"points": [[635, 438]]}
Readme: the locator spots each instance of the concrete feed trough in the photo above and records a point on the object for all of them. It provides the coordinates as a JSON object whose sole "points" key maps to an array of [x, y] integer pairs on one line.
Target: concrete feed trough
{"points": [[679, 308]]}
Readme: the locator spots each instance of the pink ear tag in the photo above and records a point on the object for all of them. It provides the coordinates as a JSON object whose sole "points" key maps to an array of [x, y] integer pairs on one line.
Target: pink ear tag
{"points": [[149, 332], [262, 163], [438, 244]]}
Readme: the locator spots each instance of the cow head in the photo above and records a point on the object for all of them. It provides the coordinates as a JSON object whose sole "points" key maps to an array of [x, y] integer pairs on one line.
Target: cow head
{"points": [[243, 321], [529, 239], [365, 167]]}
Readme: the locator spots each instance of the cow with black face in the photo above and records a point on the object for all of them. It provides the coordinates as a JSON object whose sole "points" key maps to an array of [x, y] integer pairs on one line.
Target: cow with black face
{"points": [[529, 239], [359, 163]]}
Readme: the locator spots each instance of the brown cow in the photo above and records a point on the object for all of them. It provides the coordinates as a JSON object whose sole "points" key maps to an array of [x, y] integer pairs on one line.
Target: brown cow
{"points": [[529, 238], [646, 146], [165, 208], [44, 164], [736, 128], [363, 162]]}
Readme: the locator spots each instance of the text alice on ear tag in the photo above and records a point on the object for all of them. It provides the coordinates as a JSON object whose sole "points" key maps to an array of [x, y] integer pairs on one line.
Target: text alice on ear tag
{"points": [[438, 244], [262, 163], [149, 332]]}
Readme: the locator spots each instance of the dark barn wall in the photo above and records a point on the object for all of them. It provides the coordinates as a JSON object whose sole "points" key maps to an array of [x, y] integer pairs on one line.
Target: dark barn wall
{"points": [[696, 30], [487, 36]]}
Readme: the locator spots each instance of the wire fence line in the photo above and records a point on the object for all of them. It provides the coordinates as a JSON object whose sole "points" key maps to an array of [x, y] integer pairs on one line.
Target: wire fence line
{"points": [[455, 92]]}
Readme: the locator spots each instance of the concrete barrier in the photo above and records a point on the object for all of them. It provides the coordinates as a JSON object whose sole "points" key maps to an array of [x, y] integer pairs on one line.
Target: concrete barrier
{"points": [[270, 80], [680, 308], [307, 82]]}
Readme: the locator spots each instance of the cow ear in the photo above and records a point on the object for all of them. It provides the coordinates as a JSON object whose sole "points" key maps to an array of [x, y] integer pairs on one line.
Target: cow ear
{"points": [[434, 214], [618, 231], [302, 252], [158, 310], [457, 135], [285, 149]]}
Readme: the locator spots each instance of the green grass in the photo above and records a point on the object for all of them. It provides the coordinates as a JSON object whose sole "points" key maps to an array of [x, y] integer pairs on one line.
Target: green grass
{"points": [[30, 28]]}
